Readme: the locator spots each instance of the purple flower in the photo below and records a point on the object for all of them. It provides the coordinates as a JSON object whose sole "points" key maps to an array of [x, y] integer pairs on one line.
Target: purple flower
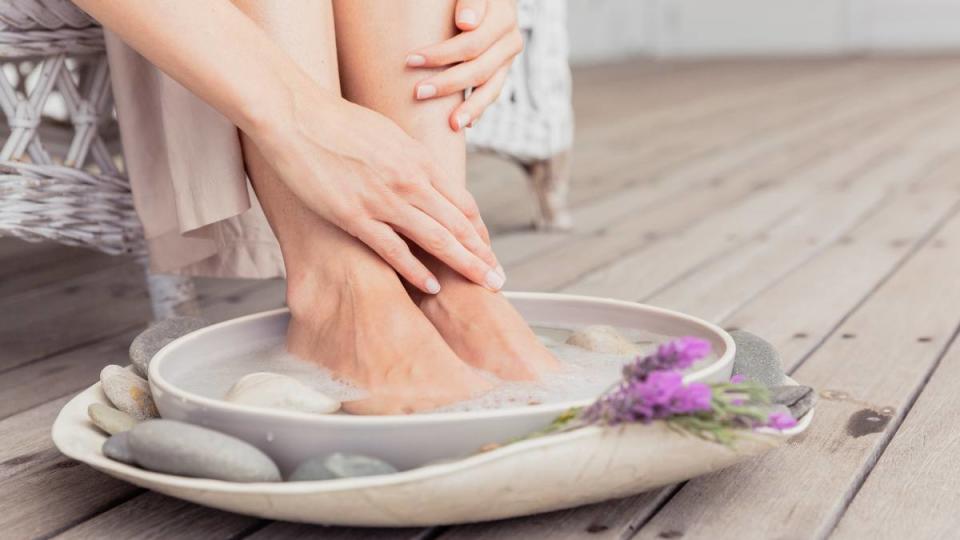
{"points": [[661, 394], [781, 421], [674, 355], [737, 379]]}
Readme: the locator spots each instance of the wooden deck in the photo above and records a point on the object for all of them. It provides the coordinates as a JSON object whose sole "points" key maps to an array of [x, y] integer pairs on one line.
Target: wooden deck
{"points": [[813, 202]]}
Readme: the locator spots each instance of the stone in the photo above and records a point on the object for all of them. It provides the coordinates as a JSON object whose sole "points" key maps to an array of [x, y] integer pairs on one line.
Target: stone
{"points": [[276, 391], [603, 339], [350, 465], [156, 336], [312, 469], [757, 360], [173, 447], [798, 399], [128, 392], [117, 448], [110, 420]]}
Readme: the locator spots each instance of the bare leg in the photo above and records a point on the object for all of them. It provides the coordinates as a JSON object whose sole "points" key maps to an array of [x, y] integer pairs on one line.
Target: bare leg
{"points": [[373, 38], [350, 310]]}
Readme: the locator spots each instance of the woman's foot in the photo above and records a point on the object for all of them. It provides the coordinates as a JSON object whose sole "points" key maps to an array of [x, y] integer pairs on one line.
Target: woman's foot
{"points": [[352, 315], [485, 330]]}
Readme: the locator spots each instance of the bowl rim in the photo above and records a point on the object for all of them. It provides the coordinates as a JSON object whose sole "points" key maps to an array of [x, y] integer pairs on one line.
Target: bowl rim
{"points": [[159, 383]]}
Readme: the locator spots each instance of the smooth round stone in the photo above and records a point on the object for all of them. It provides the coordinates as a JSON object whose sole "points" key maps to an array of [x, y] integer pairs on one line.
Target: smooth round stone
{"points": [[156, 336], [602, 339], [275, 391], [183, 449], [351, 465], [109, 419], [312, 469], [798, 399], [117, 448], [757, 360], [128, 392]]}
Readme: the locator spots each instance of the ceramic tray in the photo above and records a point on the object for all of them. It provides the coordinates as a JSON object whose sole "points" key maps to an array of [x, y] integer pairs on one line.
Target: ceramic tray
{"points": [[539, 475]]}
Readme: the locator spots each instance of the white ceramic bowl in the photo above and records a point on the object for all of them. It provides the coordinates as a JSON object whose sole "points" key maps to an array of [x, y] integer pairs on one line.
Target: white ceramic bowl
{"points": [[405, 441]]}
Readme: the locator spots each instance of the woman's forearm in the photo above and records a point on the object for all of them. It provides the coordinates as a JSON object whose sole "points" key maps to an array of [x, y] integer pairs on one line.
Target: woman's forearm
{"points": [[214, 50]]}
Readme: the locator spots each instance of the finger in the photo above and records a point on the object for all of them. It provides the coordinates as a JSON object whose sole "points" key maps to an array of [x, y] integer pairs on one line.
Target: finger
{"points": [[382, 239], [470, 74], [427, 233], [464, 201], [469, 14], [482, 97], [459, 48], [450, 217]]}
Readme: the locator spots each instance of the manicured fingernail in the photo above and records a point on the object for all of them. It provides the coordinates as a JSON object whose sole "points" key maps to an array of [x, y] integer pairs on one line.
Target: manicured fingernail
{"points": [[501, 272], [425, 91], [462, 120], [432, 285], [415, 60], [494, 280], [467, 16]]}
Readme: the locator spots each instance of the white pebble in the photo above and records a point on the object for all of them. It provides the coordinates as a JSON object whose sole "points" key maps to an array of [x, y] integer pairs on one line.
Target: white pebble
{"points": [[275, 391], [602, 339]]}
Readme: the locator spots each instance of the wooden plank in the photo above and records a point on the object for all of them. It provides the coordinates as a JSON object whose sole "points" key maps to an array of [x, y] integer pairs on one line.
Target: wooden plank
{"points": [[37, 382], [728, 165], [166, 517], [912, 492], [283, 531], [669, 217], [865, 384], [26, 265]]}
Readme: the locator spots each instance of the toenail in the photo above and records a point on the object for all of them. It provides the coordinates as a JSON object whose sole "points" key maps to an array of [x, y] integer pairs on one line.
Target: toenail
{"points": [[494, 280]]}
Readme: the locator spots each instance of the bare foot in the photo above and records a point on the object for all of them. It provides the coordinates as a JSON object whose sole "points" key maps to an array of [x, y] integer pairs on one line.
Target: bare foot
{"points": [[352, 315], [485, 330]]}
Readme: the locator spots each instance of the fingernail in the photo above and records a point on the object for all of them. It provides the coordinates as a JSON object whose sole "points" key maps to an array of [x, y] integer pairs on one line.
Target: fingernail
{"points": [[415, 60], [494, 280], [425, 91], [501, 272], [432, 285], [462, 120], [467, 16]]}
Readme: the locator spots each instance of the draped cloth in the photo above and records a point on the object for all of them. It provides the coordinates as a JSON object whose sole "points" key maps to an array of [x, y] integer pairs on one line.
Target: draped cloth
{"points": [[199, 212]]}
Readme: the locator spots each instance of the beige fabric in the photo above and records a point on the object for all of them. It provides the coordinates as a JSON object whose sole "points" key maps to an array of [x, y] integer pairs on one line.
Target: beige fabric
{"points": [[199, 213]]}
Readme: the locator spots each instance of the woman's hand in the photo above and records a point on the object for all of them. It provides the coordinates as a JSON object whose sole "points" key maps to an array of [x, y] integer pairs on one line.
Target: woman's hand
{"points": [[479, 57], [362, 172]]}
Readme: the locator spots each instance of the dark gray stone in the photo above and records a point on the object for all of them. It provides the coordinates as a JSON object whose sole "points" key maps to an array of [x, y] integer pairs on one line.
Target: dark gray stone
{"points": [[128, 392], [757, 360], [183, 449], [350, 465], [312, 469], [799, 399], [117, 448], [155, 337], [109, 419]]}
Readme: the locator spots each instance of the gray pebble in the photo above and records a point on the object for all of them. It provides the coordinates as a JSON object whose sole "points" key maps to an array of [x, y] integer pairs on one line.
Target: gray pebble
{"points": [[183, 449], [117, 448], [756, 359], [350, 465], [799, 399], [154, 338], [128, 392], [109, 419], [312, 469]]}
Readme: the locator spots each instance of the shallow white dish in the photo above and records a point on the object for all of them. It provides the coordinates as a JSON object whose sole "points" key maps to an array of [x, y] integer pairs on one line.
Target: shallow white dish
{"points": [[406, 441], [539, 475]]}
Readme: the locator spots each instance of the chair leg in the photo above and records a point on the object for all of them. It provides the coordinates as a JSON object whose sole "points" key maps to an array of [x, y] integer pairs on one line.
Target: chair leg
{"points": [[550, 182], [172, 296]]}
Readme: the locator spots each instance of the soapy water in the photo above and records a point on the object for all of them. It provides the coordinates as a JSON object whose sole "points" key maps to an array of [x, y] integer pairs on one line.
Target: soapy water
{"points": [[584, 374]]}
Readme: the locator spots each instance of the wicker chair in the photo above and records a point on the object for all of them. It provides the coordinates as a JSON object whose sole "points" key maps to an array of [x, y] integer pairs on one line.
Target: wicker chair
{"points": [[61, 175]]}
